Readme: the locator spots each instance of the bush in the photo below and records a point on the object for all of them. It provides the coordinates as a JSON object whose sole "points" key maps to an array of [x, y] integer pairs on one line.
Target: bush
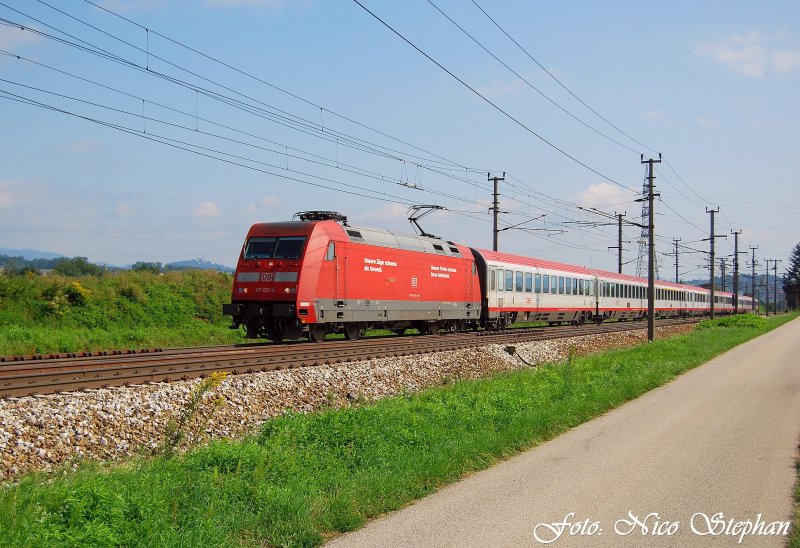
{"points": [[740, 320]]}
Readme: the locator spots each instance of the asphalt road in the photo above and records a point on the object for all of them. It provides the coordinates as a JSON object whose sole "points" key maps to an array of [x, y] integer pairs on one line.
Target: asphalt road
{"points": [[722, 438]]}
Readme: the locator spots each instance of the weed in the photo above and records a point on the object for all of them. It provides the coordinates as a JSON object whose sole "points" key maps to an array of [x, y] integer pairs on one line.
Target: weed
{"points": [[192, 421]]}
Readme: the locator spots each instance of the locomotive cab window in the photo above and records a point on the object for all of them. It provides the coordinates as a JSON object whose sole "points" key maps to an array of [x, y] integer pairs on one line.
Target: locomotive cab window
{"points": [[331, 254], [289, 248], [259, 248], [270, 247]]}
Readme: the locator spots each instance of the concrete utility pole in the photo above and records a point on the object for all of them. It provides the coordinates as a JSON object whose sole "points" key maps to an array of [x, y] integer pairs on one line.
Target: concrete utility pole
{"points": [[712, 237], [619, 241], [722, 264], [675, 242], [495, 207], [766, 293], [775, 284], [753, 265], [736, 270], [618, 247], [651, 259]]}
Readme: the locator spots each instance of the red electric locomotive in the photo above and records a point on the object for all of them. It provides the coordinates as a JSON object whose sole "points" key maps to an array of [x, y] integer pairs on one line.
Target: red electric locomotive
{"points": [[318, 275]]}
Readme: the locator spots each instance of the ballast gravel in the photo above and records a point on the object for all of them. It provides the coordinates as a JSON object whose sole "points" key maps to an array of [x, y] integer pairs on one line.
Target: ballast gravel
{"points": [[57, 431]]}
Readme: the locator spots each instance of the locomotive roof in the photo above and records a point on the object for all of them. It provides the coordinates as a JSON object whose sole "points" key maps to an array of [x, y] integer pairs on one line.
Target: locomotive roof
{"points": [[364, 235], [410, 242]]}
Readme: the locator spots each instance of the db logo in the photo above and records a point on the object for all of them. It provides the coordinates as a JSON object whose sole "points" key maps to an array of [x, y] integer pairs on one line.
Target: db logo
{"points": [[266, 276]]}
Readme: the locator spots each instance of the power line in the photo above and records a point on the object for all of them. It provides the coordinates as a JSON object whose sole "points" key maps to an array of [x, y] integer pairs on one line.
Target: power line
{"points": [[532, 58], [278, 88], [527, 82], [487, 100], [274, 114]]}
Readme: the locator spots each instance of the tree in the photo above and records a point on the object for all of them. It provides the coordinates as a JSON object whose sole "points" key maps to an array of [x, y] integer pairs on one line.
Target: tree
{"points": [[142, 266], [77, 266], [791, 285]]}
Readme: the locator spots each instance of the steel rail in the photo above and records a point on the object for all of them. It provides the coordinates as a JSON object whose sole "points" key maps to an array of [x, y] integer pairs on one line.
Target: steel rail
{"points": [[77, 371]]}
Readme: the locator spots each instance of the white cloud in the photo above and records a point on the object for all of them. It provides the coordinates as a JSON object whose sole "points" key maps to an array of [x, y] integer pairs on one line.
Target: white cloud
{"points": [[600, 194], [498, 88], [752, 54], [7, 198], [82, 146], [13, 37], [706, 121], [786, 61], [123, 209], [206, 210], [275, 4], [389, 212], [271, 201], [131, 5]]}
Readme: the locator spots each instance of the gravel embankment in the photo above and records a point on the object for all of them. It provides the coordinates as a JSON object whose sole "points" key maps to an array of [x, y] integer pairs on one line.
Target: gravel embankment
{"points": [[45, 432]]}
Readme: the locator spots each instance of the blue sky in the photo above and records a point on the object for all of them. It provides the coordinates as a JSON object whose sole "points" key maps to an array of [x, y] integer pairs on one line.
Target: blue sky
{"points": [[712, 86]]}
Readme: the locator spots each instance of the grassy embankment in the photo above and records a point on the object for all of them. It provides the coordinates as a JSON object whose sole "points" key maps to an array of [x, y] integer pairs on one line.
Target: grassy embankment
{"points": [[306, 477], [120, 310]]}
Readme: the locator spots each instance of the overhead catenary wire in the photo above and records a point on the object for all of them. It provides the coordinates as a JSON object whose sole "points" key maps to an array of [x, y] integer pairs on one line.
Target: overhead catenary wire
{"points": [[290, 120], [528, 82], [559, 82], [490, 102]]}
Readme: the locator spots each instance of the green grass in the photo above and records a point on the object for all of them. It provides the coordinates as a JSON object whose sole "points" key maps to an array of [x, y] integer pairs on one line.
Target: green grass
{"points": [[304, 478], [123, 310]]}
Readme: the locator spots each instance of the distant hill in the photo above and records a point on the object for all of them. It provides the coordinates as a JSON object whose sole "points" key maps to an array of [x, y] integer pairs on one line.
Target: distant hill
{"points": [[29, 254], [197, 264]]}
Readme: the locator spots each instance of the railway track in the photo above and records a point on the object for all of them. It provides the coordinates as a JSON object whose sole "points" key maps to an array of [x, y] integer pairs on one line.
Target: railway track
{"points": [[51, 373]]}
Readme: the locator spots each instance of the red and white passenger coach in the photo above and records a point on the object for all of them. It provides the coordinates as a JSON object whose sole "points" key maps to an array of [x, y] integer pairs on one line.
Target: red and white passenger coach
{"points": [[320, 275]]}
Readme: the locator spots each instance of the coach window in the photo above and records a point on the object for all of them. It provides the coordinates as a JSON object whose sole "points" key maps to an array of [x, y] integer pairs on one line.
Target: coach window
{"points": [[518, 287], [528, 282], [561, 285], [538, 283], [574, 286], [509, 280], [492, 278], [331, 254], [501, 283]]}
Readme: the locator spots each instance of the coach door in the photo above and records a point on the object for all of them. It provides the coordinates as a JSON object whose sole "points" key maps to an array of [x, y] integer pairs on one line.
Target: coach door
{"points": [[340, 293]]}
